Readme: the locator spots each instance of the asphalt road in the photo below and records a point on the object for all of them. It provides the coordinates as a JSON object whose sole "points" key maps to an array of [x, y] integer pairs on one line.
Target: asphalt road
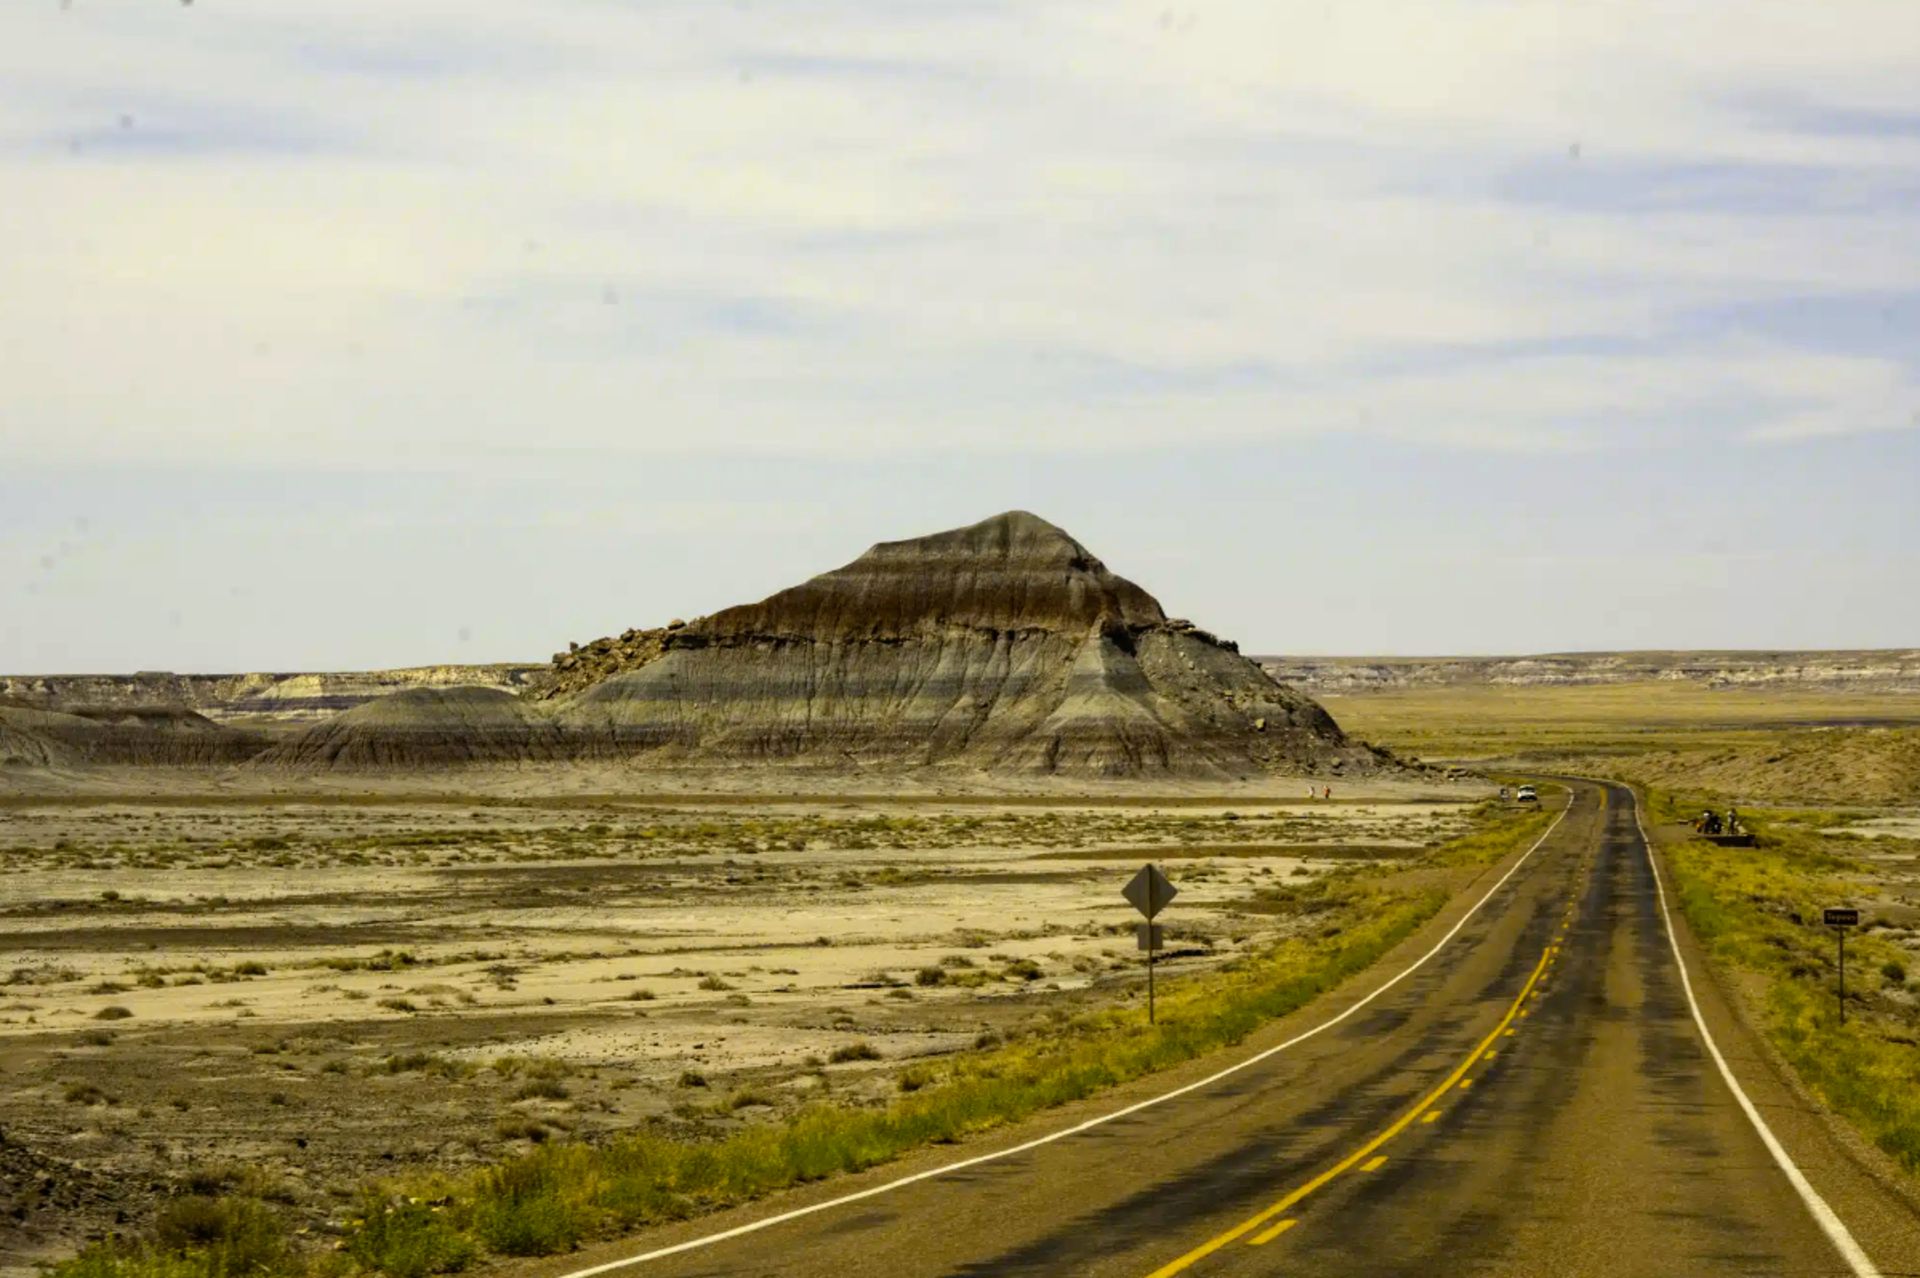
{"points": [[1537, 1099]]}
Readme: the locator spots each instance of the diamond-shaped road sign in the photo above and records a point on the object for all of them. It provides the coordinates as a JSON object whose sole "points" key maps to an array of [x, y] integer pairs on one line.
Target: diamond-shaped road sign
{"points": [[1149, 891]]}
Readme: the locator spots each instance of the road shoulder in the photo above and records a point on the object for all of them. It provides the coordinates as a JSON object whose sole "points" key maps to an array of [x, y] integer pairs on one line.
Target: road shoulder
{"points": [[1878, 1203]]}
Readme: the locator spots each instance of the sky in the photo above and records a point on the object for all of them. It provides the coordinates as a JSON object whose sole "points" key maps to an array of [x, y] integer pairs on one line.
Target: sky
{"points": [[349, 334]]}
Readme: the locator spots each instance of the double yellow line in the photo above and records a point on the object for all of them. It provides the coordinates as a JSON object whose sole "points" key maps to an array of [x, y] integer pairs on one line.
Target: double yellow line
{"points": [[1363, 1155]]}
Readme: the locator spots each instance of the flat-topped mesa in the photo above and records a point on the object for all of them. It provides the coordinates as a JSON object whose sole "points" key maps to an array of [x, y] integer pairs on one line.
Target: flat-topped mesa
{"points": [[1009, 574]]}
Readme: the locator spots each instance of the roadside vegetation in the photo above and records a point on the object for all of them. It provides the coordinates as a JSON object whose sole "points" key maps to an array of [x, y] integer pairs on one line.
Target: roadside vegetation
{"points": [[560, 1194], [1760, 910]]}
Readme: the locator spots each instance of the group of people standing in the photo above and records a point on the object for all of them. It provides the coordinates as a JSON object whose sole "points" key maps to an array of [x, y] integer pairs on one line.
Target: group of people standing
{"points": [[1710, 822]]}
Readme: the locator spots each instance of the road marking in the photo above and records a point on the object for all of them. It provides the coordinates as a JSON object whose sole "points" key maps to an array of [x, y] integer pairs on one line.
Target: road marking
{"points": [[1271, 1234], [1823, 1215], [1374, 1164], [1465, 1083], [1432, 1116], [946, 1169], [1365, 1151]]}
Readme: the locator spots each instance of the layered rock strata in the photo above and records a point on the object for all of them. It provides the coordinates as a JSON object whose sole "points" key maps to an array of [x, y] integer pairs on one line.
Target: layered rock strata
{"points": [[426, 728], [31, 737], [1004, 645]]}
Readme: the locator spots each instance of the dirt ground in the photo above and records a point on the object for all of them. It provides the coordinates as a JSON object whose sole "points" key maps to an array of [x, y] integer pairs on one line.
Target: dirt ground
{"points": [[301, 990]]}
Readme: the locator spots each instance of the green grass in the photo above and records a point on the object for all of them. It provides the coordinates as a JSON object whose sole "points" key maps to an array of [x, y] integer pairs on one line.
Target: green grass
{"points": [[558, 1195], [1760, 909]]}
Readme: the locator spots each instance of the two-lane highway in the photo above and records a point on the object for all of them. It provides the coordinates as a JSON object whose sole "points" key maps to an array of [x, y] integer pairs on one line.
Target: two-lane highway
{"points": [[1536, 1098]]}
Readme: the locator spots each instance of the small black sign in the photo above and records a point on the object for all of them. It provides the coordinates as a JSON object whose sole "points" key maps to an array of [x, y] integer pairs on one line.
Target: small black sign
{"points": [[1843, 918]]}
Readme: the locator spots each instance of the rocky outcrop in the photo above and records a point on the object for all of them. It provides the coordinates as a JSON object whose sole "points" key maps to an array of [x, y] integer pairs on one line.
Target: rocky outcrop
{"points": [[1004, 645], [580, 667], [425, 728]]}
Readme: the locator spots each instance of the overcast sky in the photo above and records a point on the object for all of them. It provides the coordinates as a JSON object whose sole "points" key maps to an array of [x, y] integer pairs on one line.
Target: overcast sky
{"points": [[344, 333]]}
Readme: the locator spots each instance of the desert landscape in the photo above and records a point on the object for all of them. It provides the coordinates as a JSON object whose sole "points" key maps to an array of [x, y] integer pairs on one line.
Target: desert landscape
{"points": [[273, 939], [959, 640], [313, 990], [299, 948]]}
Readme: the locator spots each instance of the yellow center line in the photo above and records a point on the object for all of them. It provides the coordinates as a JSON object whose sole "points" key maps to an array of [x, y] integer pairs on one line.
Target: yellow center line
{"points": [[1262, 1239], [1431, 1116], [1374, 1164], [1359, 1155]]}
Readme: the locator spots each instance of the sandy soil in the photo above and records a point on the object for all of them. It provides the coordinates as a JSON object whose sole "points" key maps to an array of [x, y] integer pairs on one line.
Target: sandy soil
{"points": [[305, 989]]}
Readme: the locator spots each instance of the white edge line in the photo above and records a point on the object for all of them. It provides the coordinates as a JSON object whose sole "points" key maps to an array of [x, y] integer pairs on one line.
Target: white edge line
{"points": [[1823, 1215], [707, 1240]]}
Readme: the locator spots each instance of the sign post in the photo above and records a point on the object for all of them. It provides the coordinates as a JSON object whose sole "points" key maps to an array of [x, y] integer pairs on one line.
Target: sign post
{"points": [[1149, 892], [1840, 919]]}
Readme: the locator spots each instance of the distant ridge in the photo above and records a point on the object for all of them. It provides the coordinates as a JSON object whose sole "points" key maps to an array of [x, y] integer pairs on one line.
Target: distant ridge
{"points": [[1853, 670]]}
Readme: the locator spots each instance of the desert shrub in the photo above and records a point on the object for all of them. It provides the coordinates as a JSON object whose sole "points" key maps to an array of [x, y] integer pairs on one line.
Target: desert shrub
{"points": [[861, 1051], [520, 1127], [425, 1063], [712, 982], [542, 1088], [406, 1239], [692, 1078], [523, 1209], [748, 1098], [209, 1180], [83, 1094], [1894, 971], [930, 976], [230, 1237], [114, 1012]]}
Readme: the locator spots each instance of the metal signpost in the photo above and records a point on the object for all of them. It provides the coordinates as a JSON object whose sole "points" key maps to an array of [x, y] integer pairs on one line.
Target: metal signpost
{"points": [[1149, 892], [1840, 919]]}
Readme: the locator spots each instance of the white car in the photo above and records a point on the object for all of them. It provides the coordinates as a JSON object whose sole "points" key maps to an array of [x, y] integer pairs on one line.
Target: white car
{"points": [[1526, 794]]}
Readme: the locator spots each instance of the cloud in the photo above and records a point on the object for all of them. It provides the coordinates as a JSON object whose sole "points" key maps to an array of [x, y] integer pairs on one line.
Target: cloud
{"points": [[470, 230]]}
